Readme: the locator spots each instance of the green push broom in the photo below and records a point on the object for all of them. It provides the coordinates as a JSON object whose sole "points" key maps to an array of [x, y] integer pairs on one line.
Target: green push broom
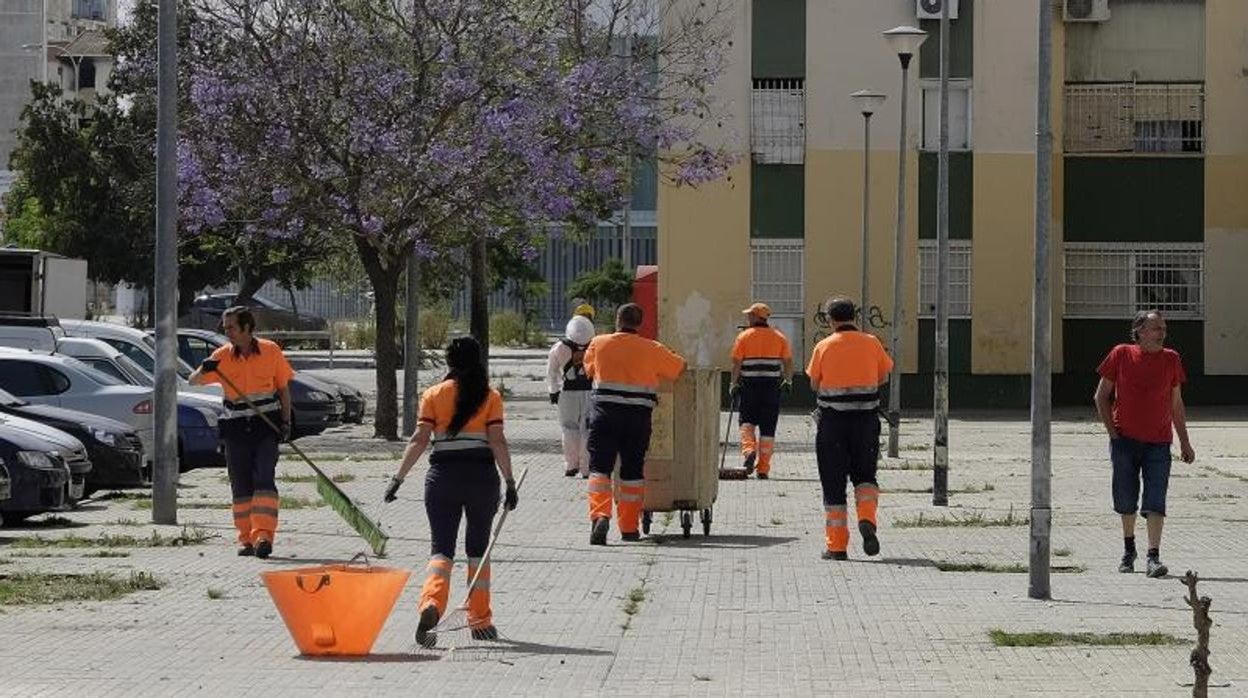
{"points": [[330, 492]]}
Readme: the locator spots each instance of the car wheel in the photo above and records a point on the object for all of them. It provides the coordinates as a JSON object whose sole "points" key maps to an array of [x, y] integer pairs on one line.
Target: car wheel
{"points": [[13, 518]]}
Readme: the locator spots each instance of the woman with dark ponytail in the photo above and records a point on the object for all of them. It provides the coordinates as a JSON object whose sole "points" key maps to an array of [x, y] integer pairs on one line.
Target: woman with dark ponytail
{"points": [[463, 417]]}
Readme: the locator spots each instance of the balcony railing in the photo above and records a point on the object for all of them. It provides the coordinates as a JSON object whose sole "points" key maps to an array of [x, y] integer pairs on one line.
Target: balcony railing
{"points": [[1135, 118], [778, 121]]}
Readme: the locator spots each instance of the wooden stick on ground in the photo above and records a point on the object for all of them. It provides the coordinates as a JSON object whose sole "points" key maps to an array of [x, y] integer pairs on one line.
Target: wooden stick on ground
{"points": [[1201, 620]]}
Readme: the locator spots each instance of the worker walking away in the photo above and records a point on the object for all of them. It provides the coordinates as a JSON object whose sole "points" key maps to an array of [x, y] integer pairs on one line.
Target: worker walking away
{"points": [[463, 417], [626, 370], [569, 390], [762, 367], [846, 371], [258, 369]]}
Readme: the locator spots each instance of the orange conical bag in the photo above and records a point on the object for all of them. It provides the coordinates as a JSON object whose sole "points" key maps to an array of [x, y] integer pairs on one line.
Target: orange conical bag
{"points": [[335, 609]]}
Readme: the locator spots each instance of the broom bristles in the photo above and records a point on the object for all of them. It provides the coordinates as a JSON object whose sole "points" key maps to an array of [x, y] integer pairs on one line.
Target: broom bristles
{"points": [[352, 514]]}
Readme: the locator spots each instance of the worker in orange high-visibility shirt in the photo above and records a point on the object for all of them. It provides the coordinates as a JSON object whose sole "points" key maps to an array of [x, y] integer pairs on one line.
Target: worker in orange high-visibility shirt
{"points": [[626, 370], [762, 367], [258, 368], [463, 417], [846, 371]]}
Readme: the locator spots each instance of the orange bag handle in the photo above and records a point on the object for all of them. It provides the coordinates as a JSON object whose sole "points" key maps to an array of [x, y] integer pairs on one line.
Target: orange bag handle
{"points": [[324, 582]]}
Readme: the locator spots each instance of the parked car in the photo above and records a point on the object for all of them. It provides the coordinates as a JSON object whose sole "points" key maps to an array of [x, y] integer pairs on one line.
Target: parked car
{"points": [[6, 484], [63, 381], [196, 345], [198, 439], [205, 314], [70, 450], [37, 475], [24, 332], [116, 453]]}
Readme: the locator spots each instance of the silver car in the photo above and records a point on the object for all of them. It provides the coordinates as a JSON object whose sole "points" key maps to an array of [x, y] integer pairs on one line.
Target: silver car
{"points": [[63, 381]]}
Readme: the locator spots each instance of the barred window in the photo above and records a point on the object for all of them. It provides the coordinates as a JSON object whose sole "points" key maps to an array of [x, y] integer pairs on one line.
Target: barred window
{"points": [[778, 280], [778, 121], [959, 279], [1115, 280], [1135, 118]]}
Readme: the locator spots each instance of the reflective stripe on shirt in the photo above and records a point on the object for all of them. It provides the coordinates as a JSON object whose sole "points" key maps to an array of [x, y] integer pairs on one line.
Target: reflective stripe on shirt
{"points": [[853, 399], [624, 394], [762, 368], [264, 402]]}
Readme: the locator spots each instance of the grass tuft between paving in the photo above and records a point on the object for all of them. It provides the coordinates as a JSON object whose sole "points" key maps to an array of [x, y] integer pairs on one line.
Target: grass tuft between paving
{"points": [[192, 535], [976, 519], [25, 588], [1001, 568], [1001, 638]]}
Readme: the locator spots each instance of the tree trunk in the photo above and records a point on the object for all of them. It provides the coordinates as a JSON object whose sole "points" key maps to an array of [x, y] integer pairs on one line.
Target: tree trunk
{"points": [[385, 282], [479, 313], [251, 284], [149, 319]]}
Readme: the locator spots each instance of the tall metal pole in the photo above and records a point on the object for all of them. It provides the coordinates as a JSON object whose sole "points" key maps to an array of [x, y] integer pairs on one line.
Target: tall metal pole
{"points": [[1041, 334], [165, 412], [899, 247], [411, 345], [940, 432], [864, 303], [627, 252]]}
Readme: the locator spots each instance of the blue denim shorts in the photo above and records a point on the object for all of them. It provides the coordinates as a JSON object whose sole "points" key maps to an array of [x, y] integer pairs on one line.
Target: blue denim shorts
{"points": [[1136, 461]]}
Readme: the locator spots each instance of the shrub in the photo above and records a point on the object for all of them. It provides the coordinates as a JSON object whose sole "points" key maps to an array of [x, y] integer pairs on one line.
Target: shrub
{"points": [[507, 329]]}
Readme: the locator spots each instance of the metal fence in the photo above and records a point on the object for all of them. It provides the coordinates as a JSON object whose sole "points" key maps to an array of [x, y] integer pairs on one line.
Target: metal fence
{"points": [[778, 121], [1114, 280], [960, 277], [1135, 118], [326, 298]]}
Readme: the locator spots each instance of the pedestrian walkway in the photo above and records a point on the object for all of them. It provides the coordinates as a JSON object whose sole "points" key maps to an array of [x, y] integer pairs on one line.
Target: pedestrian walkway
{"points": [[749, 610]]}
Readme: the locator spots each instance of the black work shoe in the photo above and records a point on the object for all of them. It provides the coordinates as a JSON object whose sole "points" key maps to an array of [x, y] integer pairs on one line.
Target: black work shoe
{"points": [[1156, 568], [598, 531], [835, 555], [870, 543], [762, 476], [264, 549], [489, 632], [1128, 563], [246, 551], [748, 464], [630, 536], [571, 472], [425, 637]]}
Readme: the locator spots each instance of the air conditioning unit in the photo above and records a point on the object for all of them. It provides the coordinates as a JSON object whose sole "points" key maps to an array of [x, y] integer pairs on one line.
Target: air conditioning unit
{"points": [[1085, 10], [930, 9]]}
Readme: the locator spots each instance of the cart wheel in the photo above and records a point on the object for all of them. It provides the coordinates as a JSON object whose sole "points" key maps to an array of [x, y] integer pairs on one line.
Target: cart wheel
{"points": [[645, 522], [686, 522], [706, 521]]}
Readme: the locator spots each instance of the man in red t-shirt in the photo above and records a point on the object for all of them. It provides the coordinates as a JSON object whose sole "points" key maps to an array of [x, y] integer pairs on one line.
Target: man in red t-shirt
{"points": [[1140, 398]]}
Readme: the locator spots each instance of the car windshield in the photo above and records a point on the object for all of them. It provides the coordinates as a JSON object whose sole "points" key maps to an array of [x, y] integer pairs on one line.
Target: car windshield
{"points": [[9, 400], [94, 374], [133, 371]]}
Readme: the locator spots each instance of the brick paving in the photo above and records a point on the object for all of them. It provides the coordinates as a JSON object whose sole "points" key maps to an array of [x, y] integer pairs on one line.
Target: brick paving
{"points": [[749, 610]]}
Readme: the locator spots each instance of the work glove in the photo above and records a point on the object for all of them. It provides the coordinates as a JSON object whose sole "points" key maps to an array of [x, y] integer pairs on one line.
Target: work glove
{"points": [[283, 430], [209, 365], [554, 398], [511, 498], [734, 390], [392, 490], [786, 386]]}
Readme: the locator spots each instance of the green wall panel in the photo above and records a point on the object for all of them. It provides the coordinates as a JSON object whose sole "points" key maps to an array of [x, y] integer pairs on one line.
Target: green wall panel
{"points": [[961, 195], [1134, 199], [959, 346], [777, 201], [779, 39], [961, 44]]}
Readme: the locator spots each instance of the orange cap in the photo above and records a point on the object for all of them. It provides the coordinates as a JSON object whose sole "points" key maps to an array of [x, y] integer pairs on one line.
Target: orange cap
{"points": [[759, 309]]}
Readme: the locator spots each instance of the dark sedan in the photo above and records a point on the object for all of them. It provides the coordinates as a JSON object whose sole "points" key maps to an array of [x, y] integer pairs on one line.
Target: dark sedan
{"points": [[115, 451], [314, 407], [38, 477]]}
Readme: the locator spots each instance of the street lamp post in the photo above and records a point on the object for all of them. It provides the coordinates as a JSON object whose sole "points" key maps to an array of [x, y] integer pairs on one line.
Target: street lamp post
{"points": [[867, 102], [905, 42]]}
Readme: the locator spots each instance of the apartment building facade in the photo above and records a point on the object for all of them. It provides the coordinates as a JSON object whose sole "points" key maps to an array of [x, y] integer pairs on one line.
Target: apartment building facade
{"points": [[1150, 209]]}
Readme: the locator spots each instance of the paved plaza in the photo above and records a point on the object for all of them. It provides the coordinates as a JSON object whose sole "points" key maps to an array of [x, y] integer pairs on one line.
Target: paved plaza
{"points": [[751, 609]]}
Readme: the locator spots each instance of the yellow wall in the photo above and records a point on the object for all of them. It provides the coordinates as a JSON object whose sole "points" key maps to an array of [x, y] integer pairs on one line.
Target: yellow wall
{"points": [[1226, 171], [704, 266], [834, 238]]}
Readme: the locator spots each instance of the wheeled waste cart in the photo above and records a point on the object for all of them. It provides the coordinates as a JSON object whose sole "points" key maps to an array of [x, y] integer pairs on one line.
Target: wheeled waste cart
{"points": [[682, 465]]}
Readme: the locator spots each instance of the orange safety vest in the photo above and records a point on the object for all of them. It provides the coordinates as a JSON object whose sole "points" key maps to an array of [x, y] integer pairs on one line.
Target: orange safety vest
{"points": [[762, 351], [848, 368], [627, 368], [259, 376]]}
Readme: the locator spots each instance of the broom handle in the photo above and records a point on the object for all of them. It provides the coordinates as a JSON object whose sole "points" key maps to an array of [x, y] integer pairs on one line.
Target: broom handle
{"points": [[485, 559], [732, 407], [256, 411]]}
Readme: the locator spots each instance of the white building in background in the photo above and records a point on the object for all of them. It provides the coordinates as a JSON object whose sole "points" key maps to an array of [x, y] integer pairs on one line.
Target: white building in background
{"points": [[60, 41]]}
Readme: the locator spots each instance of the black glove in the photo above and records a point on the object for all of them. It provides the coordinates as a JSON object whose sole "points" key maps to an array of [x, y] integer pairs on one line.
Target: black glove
{"points": [[734, 390], [209, 365], [512, 498], [786, 386], [392, 490], [554, 398], [283, 430]]}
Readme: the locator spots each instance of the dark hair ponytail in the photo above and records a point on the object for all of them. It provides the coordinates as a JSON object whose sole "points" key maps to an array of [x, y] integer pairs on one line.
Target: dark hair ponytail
{"points": [[463, 358]]}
